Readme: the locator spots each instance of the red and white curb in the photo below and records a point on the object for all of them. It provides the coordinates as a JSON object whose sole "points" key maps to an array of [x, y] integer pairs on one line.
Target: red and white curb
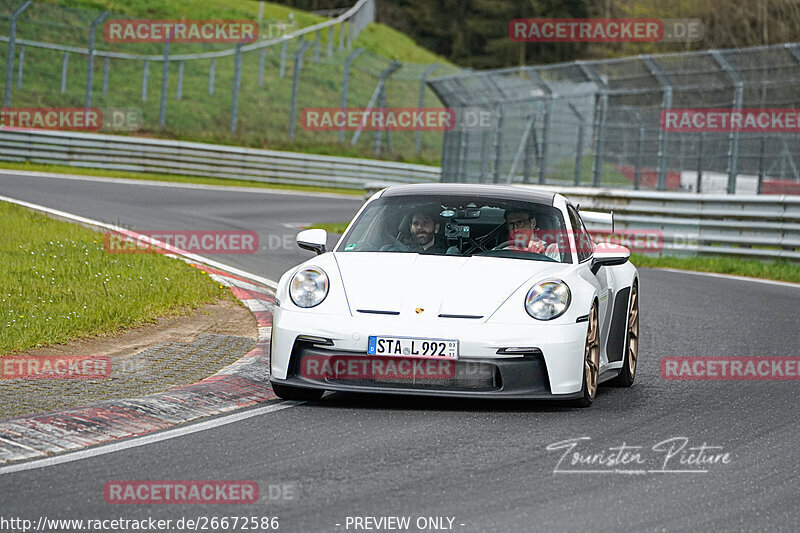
{"points": [[242, 384]]}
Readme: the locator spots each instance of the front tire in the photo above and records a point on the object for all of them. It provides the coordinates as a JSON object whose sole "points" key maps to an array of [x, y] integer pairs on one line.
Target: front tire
{"points": [[287, 392], [591, 361]]}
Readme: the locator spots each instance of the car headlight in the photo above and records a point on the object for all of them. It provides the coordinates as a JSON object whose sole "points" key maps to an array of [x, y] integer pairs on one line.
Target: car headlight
{"points": [[309, 287], [548, 299]]}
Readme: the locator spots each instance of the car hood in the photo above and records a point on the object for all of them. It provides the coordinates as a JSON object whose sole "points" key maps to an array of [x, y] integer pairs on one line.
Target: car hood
{"points": [[426, 286]]}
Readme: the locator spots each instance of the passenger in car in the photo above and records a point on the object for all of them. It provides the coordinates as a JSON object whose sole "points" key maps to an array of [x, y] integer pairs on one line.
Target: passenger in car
{"points": [[522, 235]]}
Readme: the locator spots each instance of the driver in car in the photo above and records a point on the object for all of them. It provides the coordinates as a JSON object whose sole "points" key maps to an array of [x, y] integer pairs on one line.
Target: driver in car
{"points": [[522, 235], [423, 229]]}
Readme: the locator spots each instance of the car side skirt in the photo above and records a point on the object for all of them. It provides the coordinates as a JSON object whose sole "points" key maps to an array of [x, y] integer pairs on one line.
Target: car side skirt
{"points": [[615, 345]]}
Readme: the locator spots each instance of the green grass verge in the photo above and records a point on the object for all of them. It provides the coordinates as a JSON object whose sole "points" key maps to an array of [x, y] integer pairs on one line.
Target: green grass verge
{"points": [[776, 270], [331, 227], [80, 171], [58, 283]]}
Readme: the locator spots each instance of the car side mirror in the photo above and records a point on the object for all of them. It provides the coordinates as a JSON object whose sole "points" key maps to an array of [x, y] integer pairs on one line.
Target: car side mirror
{"points": [[608, 254], [315, 240]]}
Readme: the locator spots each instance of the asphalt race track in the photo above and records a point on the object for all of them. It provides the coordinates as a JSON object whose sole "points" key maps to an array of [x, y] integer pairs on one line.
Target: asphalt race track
{"points": [[484, 464]]}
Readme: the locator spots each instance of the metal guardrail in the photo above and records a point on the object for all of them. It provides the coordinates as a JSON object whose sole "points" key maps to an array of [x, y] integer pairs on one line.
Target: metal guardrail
{"points": [[757, 226], [115, 152]]}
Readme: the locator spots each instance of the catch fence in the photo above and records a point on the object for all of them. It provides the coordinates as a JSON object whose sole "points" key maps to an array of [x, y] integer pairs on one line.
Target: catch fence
{"points": [[599, 123], [250, 94]]}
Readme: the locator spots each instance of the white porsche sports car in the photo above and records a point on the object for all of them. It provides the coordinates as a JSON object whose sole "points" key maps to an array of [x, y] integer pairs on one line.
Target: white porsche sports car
{"points": [[458, 290]]}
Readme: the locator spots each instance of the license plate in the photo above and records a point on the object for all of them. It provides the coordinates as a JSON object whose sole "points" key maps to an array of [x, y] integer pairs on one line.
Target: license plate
{"points": [[413, 347]]}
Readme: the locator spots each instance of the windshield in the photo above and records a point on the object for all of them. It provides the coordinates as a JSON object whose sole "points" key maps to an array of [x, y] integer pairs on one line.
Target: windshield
{"points": [[459, 226]]}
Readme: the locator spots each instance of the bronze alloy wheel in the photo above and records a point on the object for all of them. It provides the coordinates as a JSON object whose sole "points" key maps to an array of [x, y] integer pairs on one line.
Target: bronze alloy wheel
{"points": [[633, 332], [591, 359]]}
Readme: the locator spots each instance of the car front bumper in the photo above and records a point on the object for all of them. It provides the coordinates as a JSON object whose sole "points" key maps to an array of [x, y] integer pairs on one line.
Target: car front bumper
{"points": [[553, 371]]}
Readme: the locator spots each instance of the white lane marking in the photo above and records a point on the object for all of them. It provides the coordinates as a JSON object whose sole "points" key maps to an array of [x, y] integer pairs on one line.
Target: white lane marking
{"points": [[731, 276], [194, 257], [177, 185], [163, 435], [144, 440]]}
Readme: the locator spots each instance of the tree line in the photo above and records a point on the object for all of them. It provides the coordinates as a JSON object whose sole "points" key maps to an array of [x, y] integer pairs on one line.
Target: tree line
{"points": [[474, 33]]}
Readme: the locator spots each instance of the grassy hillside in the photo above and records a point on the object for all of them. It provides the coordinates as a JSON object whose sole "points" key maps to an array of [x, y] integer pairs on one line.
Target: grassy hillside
{"points": [[264, 109]]}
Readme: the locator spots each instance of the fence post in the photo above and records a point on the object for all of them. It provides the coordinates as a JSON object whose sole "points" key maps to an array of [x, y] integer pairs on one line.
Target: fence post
{"points": [[298, 64], [461, 142], [162, 111], [64, 64], [237, 78], [418, 134], [341, 34], [262, 56], [106, 66], [637, 173], [601, 103], [733, 136], [12, 34], [316, 47], [761, 165], [330, 40], [699, 186], [485, 155], [90, 59], [378, 133], [545, 134], [374, 99], [345, 83], [283, 59], [211, 74], [20, 67], [787, 156], [145, 78], [545, 124], [382, 103], [530, 149], [599, 131], [528, 132], [180, 80], [666, 103], [578, 169], [498, 142]]}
